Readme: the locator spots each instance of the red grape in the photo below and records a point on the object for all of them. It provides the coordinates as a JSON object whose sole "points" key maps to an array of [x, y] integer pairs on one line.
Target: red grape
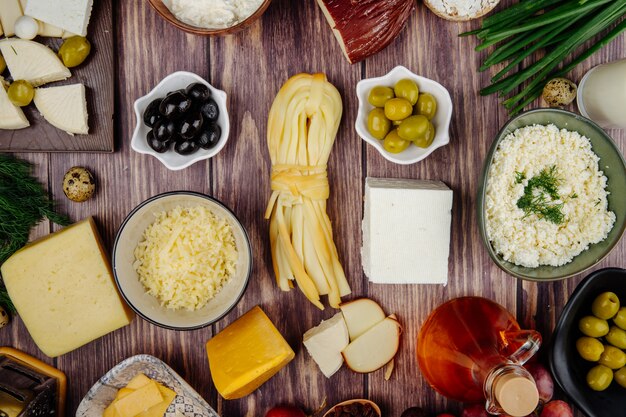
{"points": [[474, 410], [285, 411], [543, 379], [557, 408]]}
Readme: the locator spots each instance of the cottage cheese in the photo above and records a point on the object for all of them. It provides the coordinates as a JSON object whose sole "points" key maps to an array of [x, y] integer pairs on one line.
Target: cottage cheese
{"points": [[527, 240], [212, 14]]}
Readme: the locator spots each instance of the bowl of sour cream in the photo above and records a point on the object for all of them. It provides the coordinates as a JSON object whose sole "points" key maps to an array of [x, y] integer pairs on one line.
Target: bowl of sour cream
{"points": [[210, 17]]}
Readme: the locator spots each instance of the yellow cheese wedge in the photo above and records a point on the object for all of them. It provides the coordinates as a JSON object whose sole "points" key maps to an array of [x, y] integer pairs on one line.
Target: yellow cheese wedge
{"points": [[10, 11], [139, 400], [63, 289], [138, 381], [246, 354]]}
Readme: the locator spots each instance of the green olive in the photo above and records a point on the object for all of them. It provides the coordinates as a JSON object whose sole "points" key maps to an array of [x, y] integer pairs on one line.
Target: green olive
{"points": [[413, 128], [605, 305], [620, 376], [397, 123], [407, 89], [377, 124], [599, 378], [379, 95], [617, 337], [394, 143], [425, 142], [3, 64], [612, 357], [21, 93], [590, 349], [74, 51], [427, 105], [620, 318], [398, 109], [593, 326]]}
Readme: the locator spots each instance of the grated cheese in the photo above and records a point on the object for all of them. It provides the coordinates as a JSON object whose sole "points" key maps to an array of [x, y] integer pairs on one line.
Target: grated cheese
{"points": [[185, 257]]}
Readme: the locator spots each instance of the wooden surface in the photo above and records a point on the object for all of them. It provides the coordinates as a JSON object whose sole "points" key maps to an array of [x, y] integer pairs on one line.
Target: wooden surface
{"points": [[98, 76], [293, 37]]}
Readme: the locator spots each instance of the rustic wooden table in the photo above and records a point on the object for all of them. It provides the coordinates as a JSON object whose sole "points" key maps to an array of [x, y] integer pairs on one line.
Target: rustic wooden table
{"points": [[293, 37]]}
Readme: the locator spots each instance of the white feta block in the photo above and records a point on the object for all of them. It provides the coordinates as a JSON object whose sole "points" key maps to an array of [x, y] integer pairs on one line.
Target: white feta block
{"points": [[70, 15], [325, 343], [406, 231]]}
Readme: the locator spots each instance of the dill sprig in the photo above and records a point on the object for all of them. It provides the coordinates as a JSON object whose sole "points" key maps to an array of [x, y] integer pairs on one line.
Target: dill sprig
{"points": [[23, 204], [541, 195]]}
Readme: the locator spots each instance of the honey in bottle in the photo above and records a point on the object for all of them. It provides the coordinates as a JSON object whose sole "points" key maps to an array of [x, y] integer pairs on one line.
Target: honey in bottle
{"points": [[471, 349]]}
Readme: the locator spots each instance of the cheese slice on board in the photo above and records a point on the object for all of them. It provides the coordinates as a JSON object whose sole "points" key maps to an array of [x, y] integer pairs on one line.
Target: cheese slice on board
{"points": [[32, 62], [11, 116], [70, 15], [325, 343], [64, 107], [69, 276], [45, 29], [10, 11], [246, 354], [406, 231]]}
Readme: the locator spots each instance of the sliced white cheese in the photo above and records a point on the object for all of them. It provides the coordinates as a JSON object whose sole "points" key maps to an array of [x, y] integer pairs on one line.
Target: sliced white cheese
{"points": [[10, 11], [64, 107], [70, 15], [11, 116], [45, 29], [67, 34], [406, 231], [325, 343], [32, 61]]}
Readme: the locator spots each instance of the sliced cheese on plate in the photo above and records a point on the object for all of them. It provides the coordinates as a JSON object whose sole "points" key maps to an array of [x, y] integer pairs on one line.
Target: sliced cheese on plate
{"points": [[11, 116], [70, 15], [32, 62], [64, 107], [10, 11]]}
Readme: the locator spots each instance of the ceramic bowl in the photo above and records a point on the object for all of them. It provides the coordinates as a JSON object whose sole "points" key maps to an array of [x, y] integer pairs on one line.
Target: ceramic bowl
{"points": [[148, 307], [568, 368], [611, 163], [441, 121], [172, 160], [345, 403], [166, 14]]}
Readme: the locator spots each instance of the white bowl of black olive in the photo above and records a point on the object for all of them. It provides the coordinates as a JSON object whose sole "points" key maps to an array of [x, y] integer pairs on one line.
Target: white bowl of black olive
{"points": [[183, 120]]}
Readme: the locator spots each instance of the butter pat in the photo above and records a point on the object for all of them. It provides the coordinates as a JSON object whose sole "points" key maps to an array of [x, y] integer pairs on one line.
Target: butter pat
{"points": [[246, 354], [63, 289], [325, 343], [406, 231], [70, 15]]}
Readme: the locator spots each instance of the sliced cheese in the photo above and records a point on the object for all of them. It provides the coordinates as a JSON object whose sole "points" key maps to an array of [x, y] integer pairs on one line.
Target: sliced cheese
{"points": [[159, 409], [70, 15], [1, 30], [67, 34], [139, 400], [406, 231], [32, 61], [64, 107], [246, 354], [138, 381], [11, 116], [10, 11], [45, 29], [63, 289], [325, 343]]}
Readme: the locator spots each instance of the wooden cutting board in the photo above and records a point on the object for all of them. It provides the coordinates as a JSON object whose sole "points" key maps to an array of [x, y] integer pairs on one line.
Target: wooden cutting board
{"points": [[97, 74]]}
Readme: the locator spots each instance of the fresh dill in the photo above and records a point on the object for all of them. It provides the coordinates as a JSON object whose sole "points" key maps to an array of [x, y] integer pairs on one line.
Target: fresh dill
{"points": [[541, 195], [23, 204]]}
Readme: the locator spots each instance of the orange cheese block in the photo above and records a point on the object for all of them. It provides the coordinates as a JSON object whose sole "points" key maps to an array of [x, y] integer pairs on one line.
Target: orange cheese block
{"points": [[246, 354]]}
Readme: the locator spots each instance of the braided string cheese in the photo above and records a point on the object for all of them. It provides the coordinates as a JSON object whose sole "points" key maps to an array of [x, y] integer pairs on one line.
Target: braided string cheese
{"points": [[302, 126]]}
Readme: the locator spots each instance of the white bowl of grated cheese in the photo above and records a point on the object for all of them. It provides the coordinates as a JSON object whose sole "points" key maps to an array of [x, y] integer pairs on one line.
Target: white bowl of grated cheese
{"points": [[182, 260]]}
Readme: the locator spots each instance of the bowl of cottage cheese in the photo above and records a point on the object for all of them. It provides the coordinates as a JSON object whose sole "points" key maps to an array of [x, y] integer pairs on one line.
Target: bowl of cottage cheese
{"points": [[210, 17]]}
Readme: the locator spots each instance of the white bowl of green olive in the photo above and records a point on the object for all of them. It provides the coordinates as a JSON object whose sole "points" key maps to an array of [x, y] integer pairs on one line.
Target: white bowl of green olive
{"points": [[183, 120], [403, 115]]}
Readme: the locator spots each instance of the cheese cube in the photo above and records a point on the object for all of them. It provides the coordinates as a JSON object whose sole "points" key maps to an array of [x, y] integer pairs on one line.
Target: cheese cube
{"points": [[246, 354], [71, 15], [63, 289], [406, 231], [325, 343], [10, 11]]}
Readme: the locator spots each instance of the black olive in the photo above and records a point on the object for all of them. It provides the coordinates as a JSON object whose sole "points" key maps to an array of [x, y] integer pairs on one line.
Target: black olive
{"points": [[152, 114], [186, 147], [209, 137], [164, 130], [209, 110], [175, 104], [157, 145], [198, 92], [190, 126]]}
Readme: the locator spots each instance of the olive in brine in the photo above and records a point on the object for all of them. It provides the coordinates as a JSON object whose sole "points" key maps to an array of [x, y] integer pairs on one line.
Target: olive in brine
{"points": [[157, 145], [152, 114], [426, 105], [164, 130], [407, 89], [198, 92], [175, 104], [209, 137], [186, 147], [377, 124], [190, 126], [210, 111], [379, 95]]}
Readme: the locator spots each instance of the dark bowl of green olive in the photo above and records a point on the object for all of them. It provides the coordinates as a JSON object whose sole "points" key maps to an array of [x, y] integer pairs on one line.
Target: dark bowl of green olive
{"points": [[585, 358]]}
